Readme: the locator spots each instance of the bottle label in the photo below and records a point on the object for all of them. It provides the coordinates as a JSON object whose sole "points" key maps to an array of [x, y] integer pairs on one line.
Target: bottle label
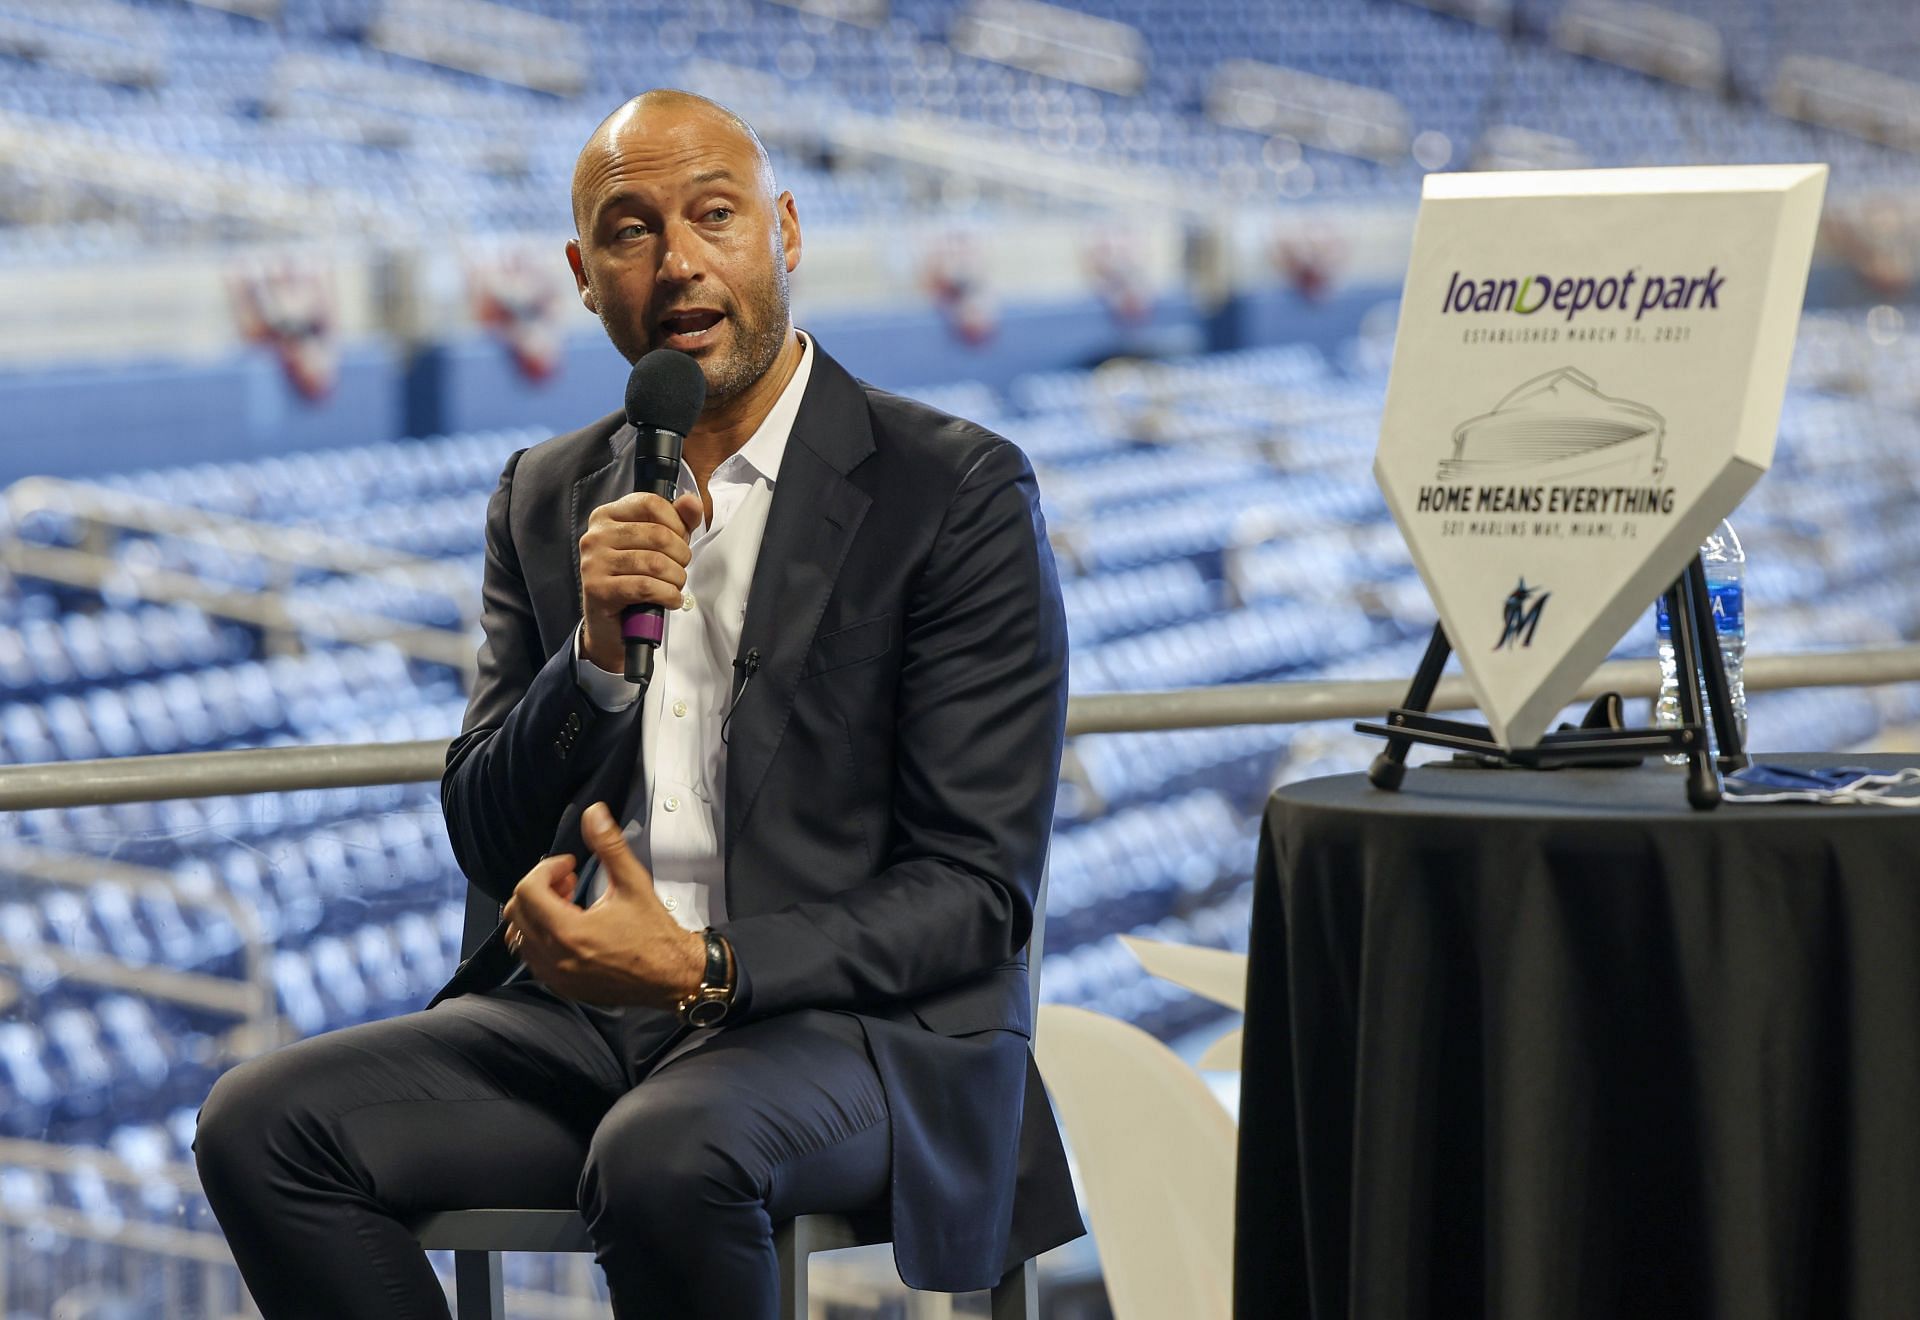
{"points": [[1729, 610], [1729, 607]]}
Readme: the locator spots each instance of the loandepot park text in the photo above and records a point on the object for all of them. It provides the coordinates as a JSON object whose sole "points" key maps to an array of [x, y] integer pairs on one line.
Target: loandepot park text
{"points": [[1523, 295]]}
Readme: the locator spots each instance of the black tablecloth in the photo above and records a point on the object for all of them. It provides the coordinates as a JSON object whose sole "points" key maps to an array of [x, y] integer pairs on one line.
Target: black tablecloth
{"points": [[1549, 1044]]}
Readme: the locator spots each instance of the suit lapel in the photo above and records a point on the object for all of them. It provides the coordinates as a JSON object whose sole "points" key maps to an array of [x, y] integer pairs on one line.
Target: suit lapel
{"points": [[612, 781], [602, 485], [816, 512]]}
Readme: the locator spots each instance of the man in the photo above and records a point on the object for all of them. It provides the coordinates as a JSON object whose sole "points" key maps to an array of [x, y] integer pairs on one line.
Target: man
{"points": [[791, 976]]}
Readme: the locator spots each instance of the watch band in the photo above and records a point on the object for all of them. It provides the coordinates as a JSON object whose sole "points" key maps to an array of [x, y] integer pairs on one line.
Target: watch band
{"points": [[708, 1005], [717, 968]]}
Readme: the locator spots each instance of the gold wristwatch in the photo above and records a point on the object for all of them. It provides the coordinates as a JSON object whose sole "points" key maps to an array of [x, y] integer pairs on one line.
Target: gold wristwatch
{"points": [[708, 1005]]}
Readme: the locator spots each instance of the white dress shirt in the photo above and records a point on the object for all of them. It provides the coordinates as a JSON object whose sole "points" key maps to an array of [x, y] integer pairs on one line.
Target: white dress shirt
{"points": [[675, 814]]}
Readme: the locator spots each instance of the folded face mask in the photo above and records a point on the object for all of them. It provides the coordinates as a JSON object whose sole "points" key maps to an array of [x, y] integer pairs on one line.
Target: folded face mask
{"points": [[1849, 784]]}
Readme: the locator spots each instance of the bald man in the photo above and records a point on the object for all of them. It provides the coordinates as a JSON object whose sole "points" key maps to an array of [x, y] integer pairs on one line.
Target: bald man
{"points": [[764, 922]]}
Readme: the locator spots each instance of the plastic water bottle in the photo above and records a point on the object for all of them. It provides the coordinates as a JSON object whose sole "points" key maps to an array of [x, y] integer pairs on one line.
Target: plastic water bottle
{"points": [[1726, 565]]}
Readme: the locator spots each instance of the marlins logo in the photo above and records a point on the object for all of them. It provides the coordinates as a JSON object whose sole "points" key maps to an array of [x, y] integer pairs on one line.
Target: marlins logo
{"points": [[1522, 618]]}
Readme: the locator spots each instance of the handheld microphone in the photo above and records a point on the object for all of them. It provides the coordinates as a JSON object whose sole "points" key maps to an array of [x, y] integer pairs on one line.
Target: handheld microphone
{"points": [[665, 393]]}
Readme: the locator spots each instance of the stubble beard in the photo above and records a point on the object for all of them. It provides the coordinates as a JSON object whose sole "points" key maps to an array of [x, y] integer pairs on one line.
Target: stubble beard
{"points": [[757, 338]]}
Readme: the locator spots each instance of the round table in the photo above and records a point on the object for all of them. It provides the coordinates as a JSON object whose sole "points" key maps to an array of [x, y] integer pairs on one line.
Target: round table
{"points": [[1551, 1044]]}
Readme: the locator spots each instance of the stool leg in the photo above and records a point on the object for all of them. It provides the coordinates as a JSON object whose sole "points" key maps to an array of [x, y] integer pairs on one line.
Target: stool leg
{"points": [[1017, 1295], [791, 1253], [478, 1293]]}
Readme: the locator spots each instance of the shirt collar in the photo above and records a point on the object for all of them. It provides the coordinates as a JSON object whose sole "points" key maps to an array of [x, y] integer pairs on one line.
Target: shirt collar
{"points": [[765, 448]]}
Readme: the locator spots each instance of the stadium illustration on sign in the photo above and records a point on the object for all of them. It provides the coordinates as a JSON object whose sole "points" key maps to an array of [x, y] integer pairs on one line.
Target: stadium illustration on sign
{"points": [[1559, 425]]}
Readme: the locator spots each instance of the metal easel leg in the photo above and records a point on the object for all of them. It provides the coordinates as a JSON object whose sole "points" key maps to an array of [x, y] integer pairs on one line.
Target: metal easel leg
{"points": [[1713, 670], [1703, 777], [1389, 768]]}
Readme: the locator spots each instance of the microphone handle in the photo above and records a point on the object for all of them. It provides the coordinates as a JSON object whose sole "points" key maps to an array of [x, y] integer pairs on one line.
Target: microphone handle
{"points": [[656, 467]]}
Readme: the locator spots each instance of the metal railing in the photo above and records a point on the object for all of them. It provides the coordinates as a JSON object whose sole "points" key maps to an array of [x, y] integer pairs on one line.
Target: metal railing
{"points": [[249, 998], [282, 551], [287, 769]]}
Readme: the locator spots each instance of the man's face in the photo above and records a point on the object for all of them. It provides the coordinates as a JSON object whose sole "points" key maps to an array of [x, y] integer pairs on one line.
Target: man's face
{"points": [[683, 246]]}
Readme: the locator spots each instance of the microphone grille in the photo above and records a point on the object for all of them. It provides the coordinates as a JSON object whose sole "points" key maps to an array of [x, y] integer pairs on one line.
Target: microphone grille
{"points": [[666, 390]]}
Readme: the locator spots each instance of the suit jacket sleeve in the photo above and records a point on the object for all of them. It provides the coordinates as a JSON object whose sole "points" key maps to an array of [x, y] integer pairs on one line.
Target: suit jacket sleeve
{"points": [[531, 736], [981, 715]]}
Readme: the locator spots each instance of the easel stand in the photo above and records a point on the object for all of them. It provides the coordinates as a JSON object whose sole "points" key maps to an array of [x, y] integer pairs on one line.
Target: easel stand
{"points": [[1697, 654]]}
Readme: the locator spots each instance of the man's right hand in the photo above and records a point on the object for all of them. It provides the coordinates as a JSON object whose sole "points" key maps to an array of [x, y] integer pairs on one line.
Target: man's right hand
{"points": [[634, 552]]}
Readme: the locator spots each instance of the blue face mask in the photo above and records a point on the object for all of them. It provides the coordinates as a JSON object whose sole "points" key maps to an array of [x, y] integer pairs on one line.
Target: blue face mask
{"points": [[1849, 784]]}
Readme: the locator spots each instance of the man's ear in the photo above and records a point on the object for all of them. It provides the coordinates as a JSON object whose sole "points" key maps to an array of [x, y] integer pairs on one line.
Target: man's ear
{"points": [[789, 231], [580, 283]]}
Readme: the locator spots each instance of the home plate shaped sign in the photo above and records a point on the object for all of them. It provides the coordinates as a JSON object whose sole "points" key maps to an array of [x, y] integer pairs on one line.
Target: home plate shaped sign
{"points": [[1587, 378]]}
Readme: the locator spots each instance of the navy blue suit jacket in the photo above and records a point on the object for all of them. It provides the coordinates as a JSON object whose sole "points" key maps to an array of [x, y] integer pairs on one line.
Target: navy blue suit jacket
{"points": [[890, 783]]}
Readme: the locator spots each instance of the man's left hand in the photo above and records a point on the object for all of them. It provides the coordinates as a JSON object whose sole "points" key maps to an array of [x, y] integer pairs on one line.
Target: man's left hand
{"points": [[624, 949]]}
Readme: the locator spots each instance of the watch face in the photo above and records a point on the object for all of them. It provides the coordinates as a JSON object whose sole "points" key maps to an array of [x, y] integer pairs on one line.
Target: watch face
{"points": [[707, 1012]]}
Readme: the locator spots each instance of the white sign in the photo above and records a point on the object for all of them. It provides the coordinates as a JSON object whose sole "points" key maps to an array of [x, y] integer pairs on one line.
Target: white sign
{"points": [[1587, 378]]}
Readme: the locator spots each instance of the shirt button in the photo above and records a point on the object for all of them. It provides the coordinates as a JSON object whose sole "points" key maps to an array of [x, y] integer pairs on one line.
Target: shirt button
{"points": [[686, 600], [670, 903], [672, 803], [680, 709]]}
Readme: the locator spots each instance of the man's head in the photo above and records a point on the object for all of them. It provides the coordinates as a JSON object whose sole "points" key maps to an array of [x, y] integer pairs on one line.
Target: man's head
{"points": [[683, 241]]}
